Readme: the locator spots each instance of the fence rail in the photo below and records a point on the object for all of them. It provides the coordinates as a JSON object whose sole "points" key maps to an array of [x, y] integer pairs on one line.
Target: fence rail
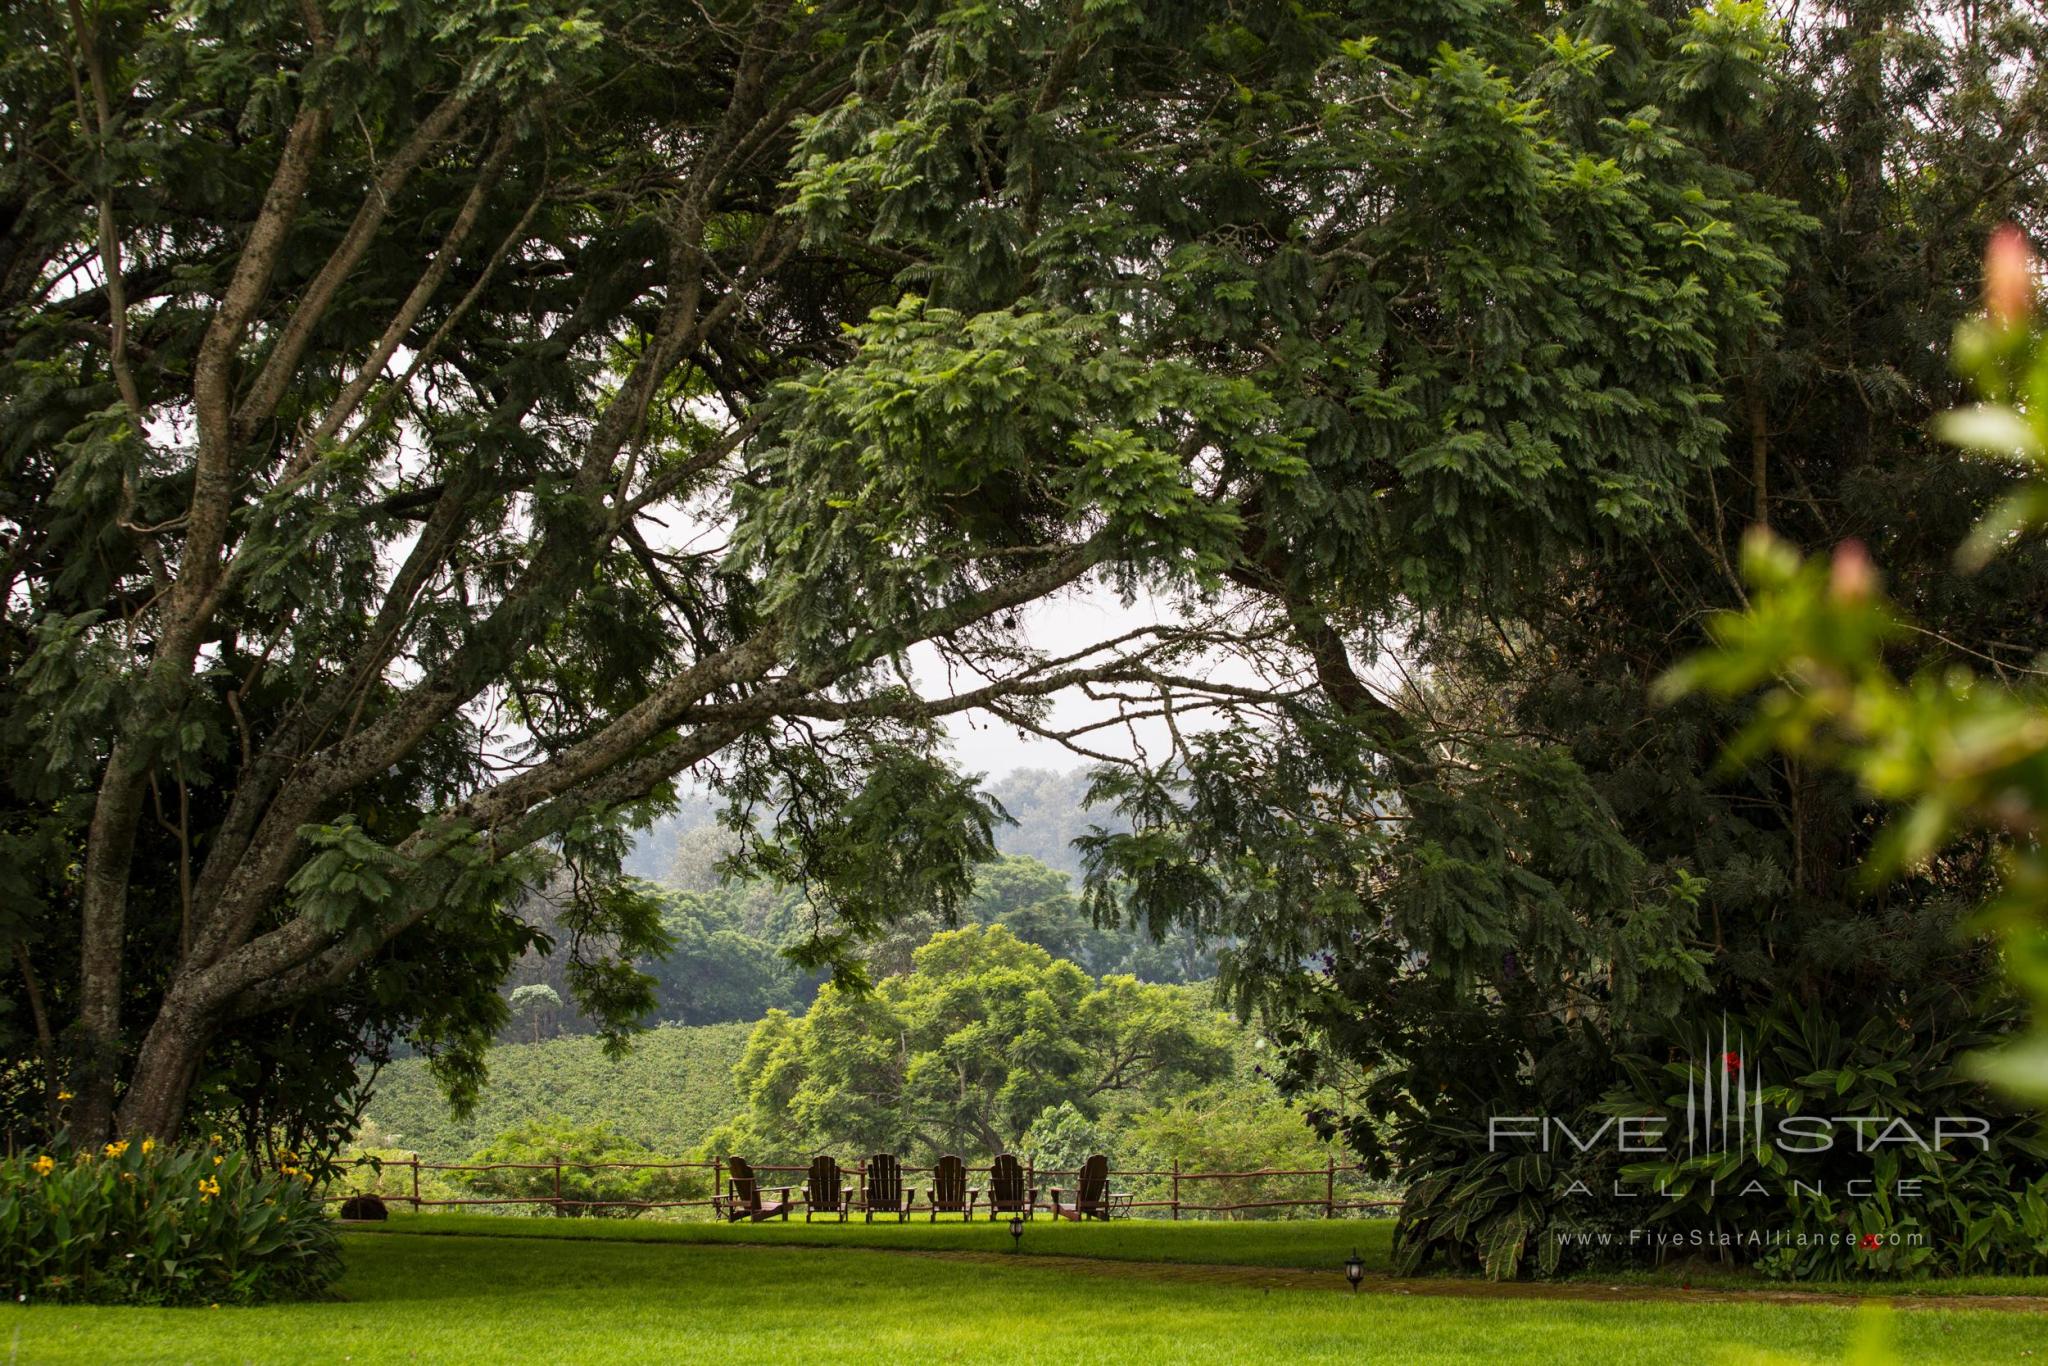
{"points": [[1330, 1200]]}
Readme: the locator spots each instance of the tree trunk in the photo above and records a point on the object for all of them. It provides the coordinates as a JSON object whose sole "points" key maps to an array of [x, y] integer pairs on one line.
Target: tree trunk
{"points": [[154, 1105], [103, 927]]}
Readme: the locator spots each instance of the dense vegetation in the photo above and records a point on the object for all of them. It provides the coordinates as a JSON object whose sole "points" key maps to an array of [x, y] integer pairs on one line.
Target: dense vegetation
{"points": [[668, 1092], [139, 1223], [363, 361], [1534, 887], [728, 945], [988, 1045], [434, 432]]}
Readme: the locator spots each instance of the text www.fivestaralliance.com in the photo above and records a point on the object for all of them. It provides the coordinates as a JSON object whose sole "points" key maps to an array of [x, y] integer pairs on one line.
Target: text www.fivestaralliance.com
{"points": [[1714, 1238]]}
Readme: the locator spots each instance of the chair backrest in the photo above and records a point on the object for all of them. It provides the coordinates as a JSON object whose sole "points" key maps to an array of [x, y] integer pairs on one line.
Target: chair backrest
{"points": [[885, 1179], [1094, 1180], [742, 1184], [824, 1182], [949, 1182], [1005, 1182]]}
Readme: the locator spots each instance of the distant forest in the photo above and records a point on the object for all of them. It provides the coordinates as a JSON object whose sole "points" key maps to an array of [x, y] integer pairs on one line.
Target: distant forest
{"points": [[727, 961]]}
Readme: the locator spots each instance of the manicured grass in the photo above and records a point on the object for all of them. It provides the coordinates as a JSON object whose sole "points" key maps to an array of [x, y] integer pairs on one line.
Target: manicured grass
{"points": [[1312, 1243], [468, 1299]]}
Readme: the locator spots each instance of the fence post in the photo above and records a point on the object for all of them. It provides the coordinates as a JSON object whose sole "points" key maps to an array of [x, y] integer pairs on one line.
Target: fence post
{"points": [[1330, 1191], [558, 1183], [415, 1183], [1031, 1177], [1176, 1190]]}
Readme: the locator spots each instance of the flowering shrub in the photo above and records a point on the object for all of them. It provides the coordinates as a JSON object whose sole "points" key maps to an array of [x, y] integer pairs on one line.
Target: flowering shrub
{"points": [[140, 1223]]}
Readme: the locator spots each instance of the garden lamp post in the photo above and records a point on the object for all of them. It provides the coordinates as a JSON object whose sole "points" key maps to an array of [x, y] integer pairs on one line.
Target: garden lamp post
{"points": [[1354, 1270], [1016, 1232]]}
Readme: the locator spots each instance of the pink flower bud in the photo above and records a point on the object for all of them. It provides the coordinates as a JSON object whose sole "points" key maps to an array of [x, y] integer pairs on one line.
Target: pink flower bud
{"points": [[1852, 577], [2008, 276]]}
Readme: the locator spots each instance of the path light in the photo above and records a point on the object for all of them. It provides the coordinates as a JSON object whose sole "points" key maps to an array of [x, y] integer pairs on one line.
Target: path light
{"points": [[1354, 1270], [1016, 1232]]}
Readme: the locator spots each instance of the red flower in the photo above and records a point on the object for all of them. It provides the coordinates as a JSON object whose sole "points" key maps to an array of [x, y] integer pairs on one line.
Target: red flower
{"points": [[1871, 1242], [1731, 1062]]}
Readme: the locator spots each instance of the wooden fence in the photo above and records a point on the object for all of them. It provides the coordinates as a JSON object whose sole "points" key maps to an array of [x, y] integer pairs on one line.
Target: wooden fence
{"points": [[1173, 1206]]}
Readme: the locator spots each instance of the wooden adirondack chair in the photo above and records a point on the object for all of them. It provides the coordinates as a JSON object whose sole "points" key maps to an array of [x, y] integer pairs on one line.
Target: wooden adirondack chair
{"points": [[824, 1191], [743, 1198], [1007, 1193], [950, 1193], [881, 1189], [1094, 1199]]}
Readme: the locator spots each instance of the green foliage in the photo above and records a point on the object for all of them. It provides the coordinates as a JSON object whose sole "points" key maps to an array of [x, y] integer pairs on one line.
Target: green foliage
{"points": [[1908, 1067], [1487, 877], [536, 1156], [1034, 903], [666, 1094], [937, 311], [964, 1053], [715, 970], [1956, 751], [136, 1223], [1238, 1128]]}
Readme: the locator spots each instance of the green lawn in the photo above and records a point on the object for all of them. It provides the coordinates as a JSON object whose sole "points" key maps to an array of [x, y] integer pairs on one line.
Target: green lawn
{"points": [[566, 1300], [1312, 1243]]}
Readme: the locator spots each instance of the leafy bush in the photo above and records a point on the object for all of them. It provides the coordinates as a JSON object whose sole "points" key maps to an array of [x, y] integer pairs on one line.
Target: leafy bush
{"points": [[534, 1149], [1974, 1210], [139, 1223]]}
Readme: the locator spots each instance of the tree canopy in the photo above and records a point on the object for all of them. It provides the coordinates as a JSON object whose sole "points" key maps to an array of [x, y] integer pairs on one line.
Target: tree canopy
{"points": [[1511, 878], [432, 429], [965, 1052]]}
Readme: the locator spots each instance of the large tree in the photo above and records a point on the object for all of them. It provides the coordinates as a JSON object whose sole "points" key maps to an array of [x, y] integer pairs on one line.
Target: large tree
{"points": [[430, 429], [1524, 872], [962, 1053]]}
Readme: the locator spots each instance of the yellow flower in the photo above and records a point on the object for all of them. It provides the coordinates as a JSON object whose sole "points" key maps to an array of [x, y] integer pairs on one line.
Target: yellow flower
{"points": [[208, 1187], [216, 1159], [148, 1146], [63, 1095], [44, 1165], [116, 1149]]}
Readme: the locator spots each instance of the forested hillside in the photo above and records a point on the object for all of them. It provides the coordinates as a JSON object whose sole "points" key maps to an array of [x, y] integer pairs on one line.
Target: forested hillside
{"points": [[728, 959], [1048, 809]]}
